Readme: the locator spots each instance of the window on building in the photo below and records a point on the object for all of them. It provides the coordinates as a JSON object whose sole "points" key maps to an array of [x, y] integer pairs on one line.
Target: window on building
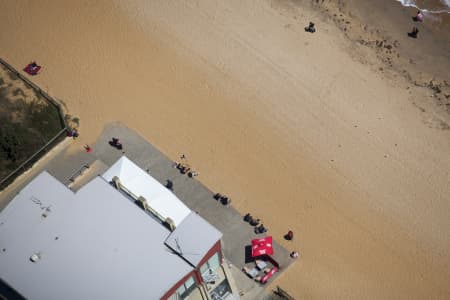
{"points": [[186, 288], [213, 263], [209, 269]]}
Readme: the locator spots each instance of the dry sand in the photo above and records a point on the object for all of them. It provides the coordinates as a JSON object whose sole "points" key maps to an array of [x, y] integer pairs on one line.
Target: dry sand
{"points": [[291, 125]]}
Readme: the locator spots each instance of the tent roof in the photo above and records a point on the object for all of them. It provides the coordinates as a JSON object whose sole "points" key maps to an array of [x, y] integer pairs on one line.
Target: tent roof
{"points": [[141, 183]]}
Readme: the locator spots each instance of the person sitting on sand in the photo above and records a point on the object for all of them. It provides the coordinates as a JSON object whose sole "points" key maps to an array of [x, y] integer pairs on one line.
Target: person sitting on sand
{"points": [[294, 254], [254, 222], [260, 229], [192, 174], [289, 236], [310, 28]]}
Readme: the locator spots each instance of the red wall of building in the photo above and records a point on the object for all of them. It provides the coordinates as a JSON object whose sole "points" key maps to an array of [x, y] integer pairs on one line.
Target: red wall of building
{"points": [[178, 284], [211, 252], [197, 276]]}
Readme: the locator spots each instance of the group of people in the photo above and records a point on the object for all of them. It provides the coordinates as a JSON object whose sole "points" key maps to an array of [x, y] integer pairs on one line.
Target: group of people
{"points": [[419, 17], [415, 31], [225, 200], [255, 222], [73, 133], [184, 168], [115, 142], [290, 236]]}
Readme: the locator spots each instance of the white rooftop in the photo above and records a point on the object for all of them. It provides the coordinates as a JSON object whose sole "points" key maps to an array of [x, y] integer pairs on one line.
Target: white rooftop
{"points": [[141, 183], [193, 238], [93, 244]]}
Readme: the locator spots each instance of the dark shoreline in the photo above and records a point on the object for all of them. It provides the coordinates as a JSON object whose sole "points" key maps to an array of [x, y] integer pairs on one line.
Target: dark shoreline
{"points": [[431, 51], [383, 26]]}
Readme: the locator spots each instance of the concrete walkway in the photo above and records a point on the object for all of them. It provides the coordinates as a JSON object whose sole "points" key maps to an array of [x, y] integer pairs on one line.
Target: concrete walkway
{"points": [[237, 234]]}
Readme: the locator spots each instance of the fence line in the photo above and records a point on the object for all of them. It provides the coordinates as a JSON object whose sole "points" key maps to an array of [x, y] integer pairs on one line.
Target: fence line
{"points": [[22, 165], [52, 101]]}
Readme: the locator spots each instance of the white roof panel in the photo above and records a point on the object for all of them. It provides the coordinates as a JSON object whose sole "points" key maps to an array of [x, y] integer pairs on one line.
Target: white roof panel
{"points": [[94, 244], [141, 183], [193, 238]]}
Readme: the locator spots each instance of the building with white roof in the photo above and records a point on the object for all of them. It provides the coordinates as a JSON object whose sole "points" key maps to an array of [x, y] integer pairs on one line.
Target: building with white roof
{"points": [[96, 244]]}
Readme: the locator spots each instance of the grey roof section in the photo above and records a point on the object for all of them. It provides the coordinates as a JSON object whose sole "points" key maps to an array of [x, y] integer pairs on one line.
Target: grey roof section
{"points": [[94, 244], [193, 238]]}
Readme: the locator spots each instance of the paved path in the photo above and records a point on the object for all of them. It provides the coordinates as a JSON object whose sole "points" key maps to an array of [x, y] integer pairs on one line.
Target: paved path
{"points": [[237, 234]]}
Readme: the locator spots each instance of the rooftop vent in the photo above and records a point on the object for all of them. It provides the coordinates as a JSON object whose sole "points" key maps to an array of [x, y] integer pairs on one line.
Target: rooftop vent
{"points": [[35, 257], [46, 212]]}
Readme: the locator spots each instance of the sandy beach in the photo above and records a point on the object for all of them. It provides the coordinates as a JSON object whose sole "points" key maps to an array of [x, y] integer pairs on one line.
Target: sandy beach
{"points": [[318, 133]]}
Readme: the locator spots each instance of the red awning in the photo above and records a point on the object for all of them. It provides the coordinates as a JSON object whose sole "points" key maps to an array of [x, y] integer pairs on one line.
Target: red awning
{"points": [[262, 246]]}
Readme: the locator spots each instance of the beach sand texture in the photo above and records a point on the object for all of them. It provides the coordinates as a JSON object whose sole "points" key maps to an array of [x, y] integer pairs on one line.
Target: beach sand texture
{"points": [[292, 126]]}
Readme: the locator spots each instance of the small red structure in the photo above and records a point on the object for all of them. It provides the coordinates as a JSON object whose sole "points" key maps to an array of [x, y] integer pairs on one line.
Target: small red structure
{"points": [[32, 68], [262, 246]]}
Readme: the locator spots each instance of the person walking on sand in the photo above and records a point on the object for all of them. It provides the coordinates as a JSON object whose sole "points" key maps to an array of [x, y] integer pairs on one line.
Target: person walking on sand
{"points": [[414, 32]]}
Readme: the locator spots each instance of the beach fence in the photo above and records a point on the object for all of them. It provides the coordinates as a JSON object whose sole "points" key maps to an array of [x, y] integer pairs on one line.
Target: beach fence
{"points": [[50, 144]]}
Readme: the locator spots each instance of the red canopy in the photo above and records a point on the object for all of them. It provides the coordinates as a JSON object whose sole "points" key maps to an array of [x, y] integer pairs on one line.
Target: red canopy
{"points": [[262, 246]]}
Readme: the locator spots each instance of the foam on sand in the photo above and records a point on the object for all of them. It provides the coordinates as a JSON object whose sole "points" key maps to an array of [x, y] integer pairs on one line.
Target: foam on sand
{"points": [[431, 7]]}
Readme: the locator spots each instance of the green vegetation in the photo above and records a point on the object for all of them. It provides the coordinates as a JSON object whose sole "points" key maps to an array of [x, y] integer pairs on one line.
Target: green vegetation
{"points": [[27, 122]]}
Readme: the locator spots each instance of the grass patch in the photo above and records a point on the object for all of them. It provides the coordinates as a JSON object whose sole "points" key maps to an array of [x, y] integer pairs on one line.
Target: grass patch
{"points": [[27, 121]]}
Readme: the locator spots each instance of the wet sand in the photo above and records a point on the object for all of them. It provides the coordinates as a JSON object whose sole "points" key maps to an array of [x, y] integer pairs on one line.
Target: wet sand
{"points": [[296, 128]]}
